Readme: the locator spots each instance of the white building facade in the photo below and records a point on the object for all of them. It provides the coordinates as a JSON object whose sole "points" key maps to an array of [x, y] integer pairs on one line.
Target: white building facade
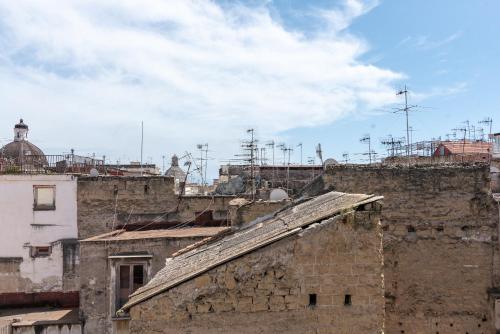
{"points": [[38, 240]]}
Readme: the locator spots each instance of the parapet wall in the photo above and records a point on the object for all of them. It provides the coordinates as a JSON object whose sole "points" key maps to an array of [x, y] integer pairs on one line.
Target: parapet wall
{"points": [[440, 243]]}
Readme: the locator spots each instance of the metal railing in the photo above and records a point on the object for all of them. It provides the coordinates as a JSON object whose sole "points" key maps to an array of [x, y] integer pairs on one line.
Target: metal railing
{"points": [[49, 164]]}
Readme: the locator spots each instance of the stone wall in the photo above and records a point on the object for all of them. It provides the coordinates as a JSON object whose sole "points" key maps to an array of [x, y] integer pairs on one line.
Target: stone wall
{"points": [[97, 274], [242, 211], [327, 279], [107, 203], [440, 243]]}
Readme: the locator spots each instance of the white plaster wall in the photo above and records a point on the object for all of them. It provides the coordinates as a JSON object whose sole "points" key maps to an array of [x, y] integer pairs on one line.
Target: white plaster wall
{"points": [[49, 329], [23, 227]]}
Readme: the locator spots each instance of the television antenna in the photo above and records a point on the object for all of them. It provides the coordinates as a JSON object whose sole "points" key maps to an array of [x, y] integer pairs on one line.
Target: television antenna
{"points": [[366, 139]]}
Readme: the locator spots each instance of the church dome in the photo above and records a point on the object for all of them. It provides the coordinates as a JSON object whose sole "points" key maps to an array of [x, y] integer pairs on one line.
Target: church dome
{"points": [[21, 147], [175, 171]]}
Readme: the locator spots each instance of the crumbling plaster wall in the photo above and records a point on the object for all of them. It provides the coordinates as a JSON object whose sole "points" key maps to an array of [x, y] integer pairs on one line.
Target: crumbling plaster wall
{"points": [[268, 290], [105, 203], [440, 244], [97, 290], [24, 227]]}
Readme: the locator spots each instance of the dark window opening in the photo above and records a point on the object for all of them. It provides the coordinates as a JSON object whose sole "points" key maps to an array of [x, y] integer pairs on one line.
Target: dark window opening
{"points": [[312, 300], [411, 229], [347, 300], [130, 278], [41, 251], [440, 228], [146, 188], [138, 276]]}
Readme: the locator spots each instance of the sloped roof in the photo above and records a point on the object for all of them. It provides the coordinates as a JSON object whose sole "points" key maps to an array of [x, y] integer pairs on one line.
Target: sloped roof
{"points": [[469, 147], [206, 256]]}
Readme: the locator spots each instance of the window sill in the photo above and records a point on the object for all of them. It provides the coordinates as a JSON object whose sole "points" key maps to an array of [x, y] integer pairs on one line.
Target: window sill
{"points": [[117, 318], [51, 208]]}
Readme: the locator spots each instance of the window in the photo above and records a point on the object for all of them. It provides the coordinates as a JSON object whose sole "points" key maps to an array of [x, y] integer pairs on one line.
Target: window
{"points": [[347, 300], [130, 278], [312, 300], [44, 197], [40, 251]]}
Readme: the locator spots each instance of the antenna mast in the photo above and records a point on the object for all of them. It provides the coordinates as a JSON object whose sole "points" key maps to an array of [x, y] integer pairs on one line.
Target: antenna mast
{"points": [[367, 139], [406, 109], [142, 145]]}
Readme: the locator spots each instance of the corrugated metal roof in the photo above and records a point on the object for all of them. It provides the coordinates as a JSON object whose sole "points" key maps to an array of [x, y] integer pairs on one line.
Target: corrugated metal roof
{"points": [[189, 232], [192, 263]]}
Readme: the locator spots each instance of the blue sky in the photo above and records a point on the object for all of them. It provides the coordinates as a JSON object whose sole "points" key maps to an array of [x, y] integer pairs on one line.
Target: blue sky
{"points": [[84, 74], [448, 53]]}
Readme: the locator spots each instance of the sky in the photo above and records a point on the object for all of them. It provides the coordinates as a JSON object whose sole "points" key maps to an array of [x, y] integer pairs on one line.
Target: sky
{"points": [[85, 74]]}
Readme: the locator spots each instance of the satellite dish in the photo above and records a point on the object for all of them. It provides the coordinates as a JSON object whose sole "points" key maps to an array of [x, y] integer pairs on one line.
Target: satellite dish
{"points": [[278, 195], [94, 172]]}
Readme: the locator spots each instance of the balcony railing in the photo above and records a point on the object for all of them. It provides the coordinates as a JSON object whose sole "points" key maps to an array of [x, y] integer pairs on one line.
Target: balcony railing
{"points": [[51, 164]]}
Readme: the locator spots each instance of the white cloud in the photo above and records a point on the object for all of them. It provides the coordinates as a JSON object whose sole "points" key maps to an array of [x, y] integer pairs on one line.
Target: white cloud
{"points": [[423, 42], [85, 73], [441, 91]]}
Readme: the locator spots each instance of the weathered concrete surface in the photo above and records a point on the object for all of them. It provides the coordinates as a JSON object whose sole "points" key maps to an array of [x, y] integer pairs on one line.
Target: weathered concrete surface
{"points": [[107, 203], [440, 243], [97, 274], [271, 290], [24, 227], [242, 211]]}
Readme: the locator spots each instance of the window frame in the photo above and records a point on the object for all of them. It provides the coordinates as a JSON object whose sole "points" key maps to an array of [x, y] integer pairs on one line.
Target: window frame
{"points": [[44, 207], [35, 251], [117, 284]]}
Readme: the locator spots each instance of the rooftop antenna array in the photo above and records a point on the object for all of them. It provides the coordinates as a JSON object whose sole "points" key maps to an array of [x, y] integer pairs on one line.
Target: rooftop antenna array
{"points": [[488, 121], [392, 144], [203, 148], [464, 130], [250, 148], [142, 145], [271, 144], [366, 139], [300, 145], [406, 110], [345, 157]]}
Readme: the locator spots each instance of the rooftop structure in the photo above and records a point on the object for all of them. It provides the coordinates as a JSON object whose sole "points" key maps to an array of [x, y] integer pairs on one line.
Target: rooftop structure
{"points": [[22, 156], [446, 148], [194, 262], [18, 149], [175, 171]]}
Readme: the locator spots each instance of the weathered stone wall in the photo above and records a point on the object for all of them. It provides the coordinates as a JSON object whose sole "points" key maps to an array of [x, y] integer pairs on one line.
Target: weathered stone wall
{"points": [[242, 211], [107, 203], [495, 175], [297, 285], [102, 199], [440, 244], [96, 291]]}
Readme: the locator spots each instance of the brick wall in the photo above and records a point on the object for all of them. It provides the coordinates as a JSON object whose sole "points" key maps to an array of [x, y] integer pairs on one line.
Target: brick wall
{"points": [[440, 243], [296, 285]]}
